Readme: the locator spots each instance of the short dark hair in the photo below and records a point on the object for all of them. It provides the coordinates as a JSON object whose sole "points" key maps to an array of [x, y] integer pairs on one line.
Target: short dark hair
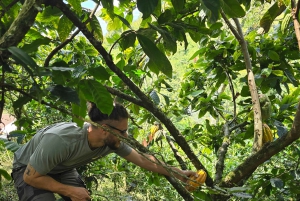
{"points": [[119, 112]]}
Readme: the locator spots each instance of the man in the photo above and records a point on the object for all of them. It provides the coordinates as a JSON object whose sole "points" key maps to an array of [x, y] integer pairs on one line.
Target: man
{"points": [[46, 164]]}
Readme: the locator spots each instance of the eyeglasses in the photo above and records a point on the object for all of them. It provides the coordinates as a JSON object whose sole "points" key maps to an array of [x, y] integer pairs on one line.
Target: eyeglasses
{"points": [[121, 131]]}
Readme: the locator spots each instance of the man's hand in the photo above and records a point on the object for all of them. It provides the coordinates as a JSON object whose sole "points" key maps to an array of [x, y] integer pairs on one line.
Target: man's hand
{"points": [[79, 194], [187, 173]]}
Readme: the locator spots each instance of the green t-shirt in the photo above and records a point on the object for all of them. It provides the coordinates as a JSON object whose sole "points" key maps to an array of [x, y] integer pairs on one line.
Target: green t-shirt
{"points": [[61, 147]]}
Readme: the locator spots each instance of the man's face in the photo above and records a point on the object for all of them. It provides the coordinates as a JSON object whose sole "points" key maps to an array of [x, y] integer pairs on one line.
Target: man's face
{"points": [[118, 127]]}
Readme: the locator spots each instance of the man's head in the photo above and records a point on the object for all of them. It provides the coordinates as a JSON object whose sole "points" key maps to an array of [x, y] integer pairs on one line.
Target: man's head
{"points": [[117, 121]]}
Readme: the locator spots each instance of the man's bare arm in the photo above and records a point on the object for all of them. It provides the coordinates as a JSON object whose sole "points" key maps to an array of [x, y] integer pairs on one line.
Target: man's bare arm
{"points": [[154, 165], [35, 179]]}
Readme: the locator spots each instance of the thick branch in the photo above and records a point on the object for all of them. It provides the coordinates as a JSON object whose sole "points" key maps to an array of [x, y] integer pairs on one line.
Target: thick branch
{"points": [[16, 32], [147, 102], [257, 144], [267, 151], [222, 154]]}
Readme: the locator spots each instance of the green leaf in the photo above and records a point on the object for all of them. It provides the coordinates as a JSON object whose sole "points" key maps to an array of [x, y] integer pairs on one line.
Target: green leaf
{"points": [[18, 134], [273, 55], [158, 58], [178, 5], [22, 57], [127, 40], [169, 42], [278, 73], [49, 14], [21, 101], [99, 73], [76, 5], [124, 21], [12, 146], [214, 6], [270, 16], [64, 28], [95, 27], [233, 8], [34, 45], [277, 183], [65, 93], [5, 174], [146, 7], [95, 92]]}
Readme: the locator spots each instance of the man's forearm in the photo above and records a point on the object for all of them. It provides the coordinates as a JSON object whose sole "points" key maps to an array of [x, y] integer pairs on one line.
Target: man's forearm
{"points": [[45, 182]]}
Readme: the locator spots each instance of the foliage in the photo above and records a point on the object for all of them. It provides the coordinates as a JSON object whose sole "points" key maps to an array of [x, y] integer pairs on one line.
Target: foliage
{"points": [[181, 63]]}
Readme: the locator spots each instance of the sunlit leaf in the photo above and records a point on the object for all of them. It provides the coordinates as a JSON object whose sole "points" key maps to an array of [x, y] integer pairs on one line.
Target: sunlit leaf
{"points": [[95, 27], [76, 5], [64, 28], [268, 18]]}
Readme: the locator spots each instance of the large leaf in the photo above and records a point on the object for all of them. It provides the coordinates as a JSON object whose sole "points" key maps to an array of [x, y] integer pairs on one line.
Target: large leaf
{"points": [[49, 14], [127, 40], [155, 55], [64, 28], [65, 93], [233, 8], [214, 6], [95, 27], [146, 7], [34, 45], [97, 93], [169, 41], [99, 73], [269, 17], [22, 57], [124, 21]]}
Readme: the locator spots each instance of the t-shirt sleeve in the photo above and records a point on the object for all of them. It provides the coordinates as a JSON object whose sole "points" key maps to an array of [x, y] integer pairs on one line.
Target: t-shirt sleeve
{"points": [[51, 151], [124, 150]]}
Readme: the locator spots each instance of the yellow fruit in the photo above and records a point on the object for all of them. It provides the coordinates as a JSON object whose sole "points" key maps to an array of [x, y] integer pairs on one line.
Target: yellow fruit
{"points": [[267, 134], [195, 182]]}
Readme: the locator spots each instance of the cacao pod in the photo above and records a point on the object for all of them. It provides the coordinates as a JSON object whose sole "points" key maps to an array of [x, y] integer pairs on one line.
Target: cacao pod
{"points": [[195, 182], [267, 134]]}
